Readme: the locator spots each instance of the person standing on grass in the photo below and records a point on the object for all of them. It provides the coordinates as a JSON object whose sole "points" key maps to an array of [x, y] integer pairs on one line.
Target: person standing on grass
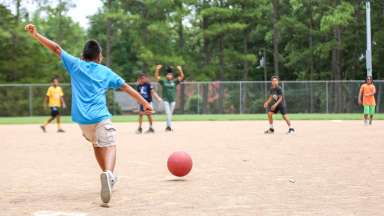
{"points": [[277, 97], [367, 99], [169, 91], [55, 100], [146, 90], [90, 81]]}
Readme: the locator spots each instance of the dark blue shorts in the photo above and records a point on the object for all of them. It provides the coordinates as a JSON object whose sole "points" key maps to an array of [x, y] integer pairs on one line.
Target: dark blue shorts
{"points": [[55, 111]]}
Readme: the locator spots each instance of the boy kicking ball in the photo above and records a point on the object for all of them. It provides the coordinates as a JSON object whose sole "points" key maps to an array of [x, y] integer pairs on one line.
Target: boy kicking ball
{"points": [[367, 99], [90, 81], [276, 95], [55, 100], [146, 90]]}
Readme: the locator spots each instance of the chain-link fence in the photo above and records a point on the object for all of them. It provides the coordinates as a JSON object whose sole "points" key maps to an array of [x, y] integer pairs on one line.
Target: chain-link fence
{"points": [[208, 98]]}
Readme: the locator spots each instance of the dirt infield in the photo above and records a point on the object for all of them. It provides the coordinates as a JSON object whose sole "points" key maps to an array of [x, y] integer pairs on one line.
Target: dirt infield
{"points": [[326, 168]]}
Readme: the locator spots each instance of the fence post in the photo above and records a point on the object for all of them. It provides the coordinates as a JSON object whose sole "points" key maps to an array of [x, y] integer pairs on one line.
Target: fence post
{"points": [[30, 101], [282, 86], [326, 96], [241, 97]]}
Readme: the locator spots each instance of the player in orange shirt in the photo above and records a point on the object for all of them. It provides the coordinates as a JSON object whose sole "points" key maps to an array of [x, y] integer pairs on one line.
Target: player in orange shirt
{"points": [[367, 99]]}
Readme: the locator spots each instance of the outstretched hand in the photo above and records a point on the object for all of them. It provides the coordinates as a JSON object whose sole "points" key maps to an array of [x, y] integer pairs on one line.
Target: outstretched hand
{"points": [[31, 29], [159, 66], [148, 108]]}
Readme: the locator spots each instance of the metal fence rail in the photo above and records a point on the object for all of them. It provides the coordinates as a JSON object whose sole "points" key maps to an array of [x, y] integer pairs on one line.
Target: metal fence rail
{"points": [[208, 98]]}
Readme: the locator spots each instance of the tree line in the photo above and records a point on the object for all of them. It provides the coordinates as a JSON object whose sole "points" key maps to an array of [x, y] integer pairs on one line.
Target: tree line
{"points": [[212, 39]]}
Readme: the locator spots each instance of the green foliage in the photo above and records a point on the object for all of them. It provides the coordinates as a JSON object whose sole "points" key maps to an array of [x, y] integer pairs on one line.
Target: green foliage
{"points": [[211, 39]]}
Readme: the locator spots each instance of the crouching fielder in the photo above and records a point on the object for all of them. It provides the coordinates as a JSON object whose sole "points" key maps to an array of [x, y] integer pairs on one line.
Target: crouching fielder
{"points": [[276, 95]]}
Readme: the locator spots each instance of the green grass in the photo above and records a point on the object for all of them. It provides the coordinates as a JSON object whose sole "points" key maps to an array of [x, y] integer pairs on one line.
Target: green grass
{"points": [[228, 117]]}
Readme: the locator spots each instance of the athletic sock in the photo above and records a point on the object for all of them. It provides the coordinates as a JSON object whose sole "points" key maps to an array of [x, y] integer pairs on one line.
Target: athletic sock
{"points": [[271, 126]]}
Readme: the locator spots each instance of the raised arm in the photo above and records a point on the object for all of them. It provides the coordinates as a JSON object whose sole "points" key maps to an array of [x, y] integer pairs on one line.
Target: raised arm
{"points": [[157, 72], [135, 95], [181, 73], [51, 45]]}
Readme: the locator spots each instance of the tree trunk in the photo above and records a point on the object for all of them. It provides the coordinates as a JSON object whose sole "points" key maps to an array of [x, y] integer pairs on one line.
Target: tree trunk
{"points": [[336, 67], [245, 51], [206, 61], [275, 36], [311, 58], [221, 74], [180, 32], [18, 6], [109, 37]]}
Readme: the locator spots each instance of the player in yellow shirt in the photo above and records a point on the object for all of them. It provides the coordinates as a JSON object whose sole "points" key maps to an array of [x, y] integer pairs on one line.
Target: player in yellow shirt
{"points": [[367, 99], [55, 100]]}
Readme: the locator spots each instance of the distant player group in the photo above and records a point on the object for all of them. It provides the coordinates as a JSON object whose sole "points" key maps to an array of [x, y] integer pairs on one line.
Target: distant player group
{"points": [[90, 81]]}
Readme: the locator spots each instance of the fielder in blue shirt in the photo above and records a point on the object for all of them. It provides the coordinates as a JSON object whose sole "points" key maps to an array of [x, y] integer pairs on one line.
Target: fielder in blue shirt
{"points": [[90, 81], [146, 90]]}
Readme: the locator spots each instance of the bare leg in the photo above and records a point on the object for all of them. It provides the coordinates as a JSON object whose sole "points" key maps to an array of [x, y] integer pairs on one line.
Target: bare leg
{"points": [[106, 157], [49, 121], [285, 117], [150, 120], [58, 122], [270, 119], [140, 120], [370, 119]]}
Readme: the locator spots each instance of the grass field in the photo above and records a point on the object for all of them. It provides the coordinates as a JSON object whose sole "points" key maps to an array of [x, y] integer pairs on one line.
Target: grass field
{"points": [[227, 117]]}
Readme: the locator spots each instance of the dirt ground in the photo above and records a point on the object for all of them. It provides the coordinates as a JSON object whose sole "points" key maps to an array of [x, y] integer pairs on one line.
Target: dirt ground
{"points": [[326, 168]]}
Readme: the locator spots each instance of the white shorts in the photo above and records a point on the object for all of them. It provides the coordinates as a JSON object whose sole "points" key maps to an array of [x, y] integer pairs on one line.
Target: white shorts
{"points": [[101, 134]]}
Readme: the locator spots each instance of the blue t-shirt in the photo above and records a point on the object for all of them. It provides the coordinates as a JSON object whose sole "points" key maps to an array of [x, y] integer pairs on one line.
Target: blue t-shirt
{"points": [[90, 82], [145, 91]]}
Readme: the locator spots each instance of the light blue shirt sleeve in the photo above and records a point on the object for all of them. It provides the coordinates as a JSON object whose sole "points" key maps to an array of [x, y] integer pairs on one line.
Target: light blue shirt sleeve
{"points": [[71, 63], [115, 81]]}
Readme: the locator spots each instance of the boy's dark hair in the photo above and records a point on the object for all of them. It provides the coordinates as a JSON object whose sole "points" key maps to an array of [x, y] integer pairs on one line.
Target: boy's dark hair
{"points": [[169, 70], [92, 50], [141, 75], [275, 77], [55, 78]]}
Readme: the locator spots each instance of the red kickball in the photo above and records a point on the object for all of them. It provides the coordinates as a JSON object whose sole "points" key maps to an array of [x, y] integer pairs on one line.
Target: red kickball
{"points": [[179, 163]]}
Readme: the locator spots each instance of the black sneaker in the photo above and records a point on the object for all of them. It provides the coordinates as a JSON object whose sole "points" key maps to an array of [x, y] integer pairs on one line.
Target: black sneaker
{"points": [[43, 128], [60, 131], [270, 131], [139, 131], [150, 130], [168, 129], [291, 131]]}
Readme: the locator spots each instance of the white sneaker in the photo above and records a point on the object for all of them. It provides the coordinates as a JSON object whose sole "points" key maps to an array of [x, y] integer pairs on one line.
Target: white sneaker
{"points": [[113, 178], [106, 187]]}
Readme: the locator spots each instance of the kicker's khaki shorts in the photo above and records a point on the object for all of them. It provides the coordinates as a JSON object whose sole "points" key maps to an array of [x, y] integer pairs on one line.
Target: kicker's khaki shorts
{"points": [[101, 134]]}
